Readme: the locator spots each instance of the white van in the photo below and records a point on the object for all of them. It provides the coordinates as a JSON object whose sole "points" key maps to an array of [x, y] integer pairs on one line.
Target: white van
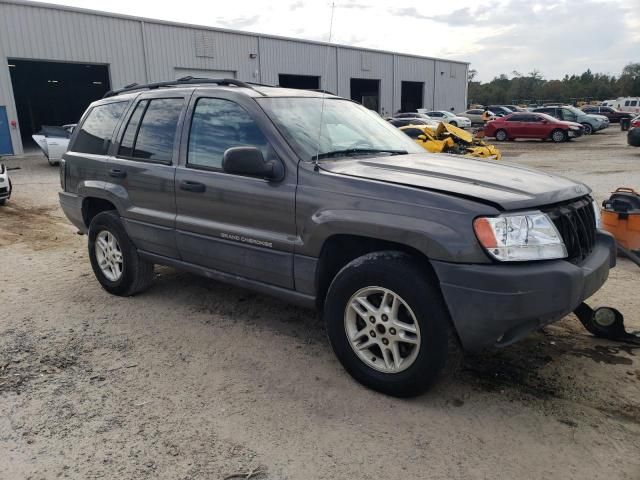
{"points": [[624, 104]]}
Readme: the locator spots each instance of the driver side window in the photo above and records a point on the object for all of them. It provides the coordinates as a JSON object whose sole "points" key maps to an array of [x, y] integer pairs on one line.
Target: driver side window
{"points": [[218, 125]]}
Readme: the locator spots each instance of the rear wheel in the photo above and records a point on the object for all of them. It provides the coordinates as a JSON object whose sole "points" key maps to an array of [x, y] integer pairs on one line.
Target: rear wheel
{"points": [[387, 323], [588, 129], [501, 135], [559, 136], [114, 259]]}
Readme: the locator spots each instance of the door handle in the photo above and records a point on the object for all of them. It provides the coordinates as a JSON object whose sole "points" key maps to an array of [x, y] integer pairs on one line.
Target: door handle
{"points": [[190, 186], [117, 173]]}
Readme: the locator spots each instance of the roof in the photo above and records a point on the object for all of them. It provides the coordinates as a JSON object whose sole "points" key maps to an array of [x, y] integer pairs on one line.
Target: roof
{"points": [[214, 29], [251, 89]]}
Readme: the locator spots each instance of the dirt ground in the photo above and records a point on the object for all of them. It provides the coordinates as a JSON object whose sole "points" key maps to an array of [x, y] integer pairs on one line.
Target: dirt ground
{"points": [[197, 380]]}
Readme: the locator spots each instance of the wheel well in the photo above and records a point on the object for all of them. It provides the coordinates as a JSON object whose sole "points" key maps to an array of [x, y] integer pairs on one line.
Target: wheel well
{"points": [[93, 206], [339, 250]]}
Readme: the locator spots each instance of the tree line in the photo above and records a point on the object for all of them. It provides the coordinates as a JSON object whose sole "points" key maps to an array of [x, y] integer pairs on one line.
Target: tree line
{"points": [[533, 88]]}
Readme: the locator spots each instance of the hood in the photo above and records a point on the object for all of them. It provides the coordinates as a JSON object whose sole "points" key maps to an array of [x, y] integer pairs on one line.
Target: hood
{"points": [[506, 186]]}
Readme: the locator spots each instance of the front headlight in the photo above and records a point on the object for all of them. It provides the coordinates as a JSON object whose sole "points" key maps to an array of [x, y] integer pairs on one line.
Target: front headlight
{"points": [[520, 237], [596, 214]]}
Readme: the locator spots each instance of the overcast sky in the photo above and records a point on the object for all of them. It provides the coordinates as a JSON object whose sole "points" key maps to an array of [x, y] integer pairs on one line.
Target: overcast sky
{"points": [[496, 36]]}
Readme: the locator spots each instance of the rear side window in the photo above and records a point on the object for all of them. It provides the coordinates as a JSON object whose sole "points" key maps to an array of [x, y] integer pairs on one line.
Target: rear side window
{"points": [[94, 136], [151, 131], [218, 125]]}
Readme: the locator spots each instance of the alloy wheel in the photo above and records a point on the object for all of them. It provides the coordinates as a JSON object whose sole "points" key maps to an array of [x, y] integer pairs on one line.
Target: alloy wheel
{"points": [[382, 329], [109, 255]]}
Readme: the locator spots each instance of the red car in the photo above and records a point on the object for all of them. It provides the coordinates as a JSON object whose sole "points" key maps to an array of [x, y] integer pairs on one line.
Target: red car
{"points": [[532, 125]]}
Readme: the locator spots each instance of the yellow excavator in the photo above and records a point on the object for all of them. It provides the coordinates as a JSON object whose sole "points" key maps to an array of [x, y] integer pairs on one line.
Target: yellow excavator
{"points": [[447, 138]]}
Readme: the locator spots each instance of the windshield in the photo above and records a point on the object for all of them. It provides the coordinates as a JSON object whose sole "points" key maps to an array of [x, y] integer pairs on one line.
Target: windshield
{"points": [[347, 128], [574, 110]]}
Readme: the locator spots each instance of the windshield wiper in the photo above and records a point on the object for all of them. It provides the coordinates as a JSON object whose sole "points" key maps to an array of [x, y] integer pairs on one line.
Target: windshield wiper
{"points": [[357, 151]]}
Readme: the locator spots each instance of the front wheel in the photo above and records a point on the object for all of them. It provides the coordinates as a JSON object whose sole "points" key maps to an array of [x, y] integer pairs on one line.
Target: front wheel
{"points": [[114, 259], [454, 123], [387, 323], [559, 136], [588, 129]]}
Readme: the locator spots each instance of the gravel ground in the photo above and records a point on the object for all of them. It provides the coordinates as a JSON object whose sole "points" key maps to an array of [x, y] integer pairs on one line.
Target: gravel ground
{"points": [[195, 379]]}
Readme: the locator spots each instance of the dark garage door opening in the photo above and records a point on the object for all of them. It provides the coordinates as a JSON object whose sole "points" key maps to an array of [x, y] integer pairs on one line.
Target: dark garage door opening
{"points": [[367, 92], [54, 93], [303, 82], [411, 96]]}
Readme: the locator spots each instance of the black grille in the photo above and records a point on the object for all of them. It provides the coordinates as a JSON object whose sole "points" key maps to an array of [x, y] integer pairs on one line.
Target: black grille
{"points": [[577, 225], [4, 189]]}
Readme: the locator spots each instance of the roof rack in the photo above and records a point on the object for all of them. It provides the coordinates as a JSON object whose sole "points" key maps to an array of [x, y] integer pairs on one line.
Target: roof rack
{"points": [[180, 82]]}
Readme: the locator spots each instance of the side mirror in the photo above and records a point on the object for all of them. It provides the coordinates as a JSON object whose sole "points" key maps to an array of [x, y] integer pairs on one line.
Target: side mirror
{"points": [[545, 121], [250, 162], [422, 137]]}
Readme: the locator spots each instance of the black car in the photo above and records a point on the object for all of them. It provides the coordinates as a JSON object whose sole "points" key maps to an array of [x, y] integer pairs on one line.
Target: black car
{"points": [[611, 113], [633, 137]]}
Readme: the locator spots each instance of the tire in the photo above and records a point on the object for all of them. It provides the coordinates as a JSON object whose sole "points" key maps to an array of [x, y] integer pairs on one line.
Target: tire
{"points": [[559, 136], [2, 202], [53, 163], [501, 135], [454, 123], [135, 274], [421, 355], [588, 129]]}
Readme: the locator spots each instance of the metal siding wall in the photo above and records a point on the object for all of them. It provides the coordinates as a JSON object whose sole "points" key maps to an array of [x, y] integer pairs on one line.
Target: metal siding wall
{"points": [[450, 92], [172, 46], [37, 33], [380, 68], [297, 58], [41, 33], [413, 70]]}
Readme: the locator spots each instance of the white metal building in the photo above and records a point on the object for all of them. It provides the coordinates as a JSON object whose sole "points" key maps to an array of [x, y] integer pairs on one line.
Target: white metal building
{"points": [[55, 60]]}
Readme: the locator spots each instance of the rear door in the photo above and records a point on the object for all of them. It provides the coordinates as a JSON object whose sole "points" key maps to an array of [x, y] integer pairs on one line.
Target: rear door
{"points": [[244, 226], [141, 173]]}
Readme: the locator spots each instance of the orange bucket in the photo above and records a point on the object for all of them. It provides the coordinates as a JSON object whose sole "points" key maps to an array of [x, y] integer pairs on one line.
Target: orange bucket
{"points": [[621, 217]]}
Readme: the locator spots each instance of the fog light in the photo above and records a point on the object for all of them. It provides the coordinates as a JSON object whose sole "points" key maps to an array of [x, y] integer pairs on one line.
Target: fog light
{"points": [[606, 316]]}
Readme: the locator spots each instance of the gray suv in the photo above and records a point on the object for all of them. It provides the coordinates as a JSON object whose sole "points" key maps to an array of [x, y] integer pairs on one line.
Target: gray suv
{"points": [[318, 201]]}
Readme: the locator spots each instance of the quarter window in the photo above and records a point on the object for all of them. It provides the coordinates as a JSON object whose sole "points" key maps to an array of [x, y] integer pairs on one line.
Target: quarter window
{"points": [[152, 138], [96, 131], [218, 125], [634, 103], [129, 137]]}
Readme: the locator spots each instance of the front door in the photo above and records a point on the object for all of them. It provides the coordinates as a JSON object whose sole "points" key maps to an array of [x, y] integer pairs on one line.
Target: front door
{"points": [[239, 225], [142, 170], [6, 148]]}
